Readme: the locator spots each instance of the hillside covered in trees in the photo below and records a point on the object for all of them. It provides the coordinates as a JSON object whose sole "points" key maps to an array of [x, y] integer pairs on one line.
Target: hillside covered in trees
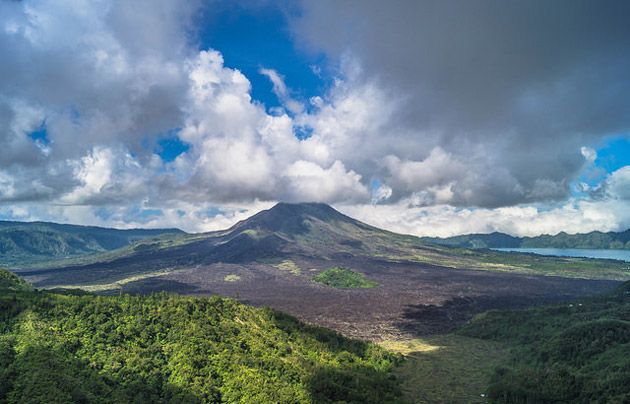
{"points": [[23, 243], [578, 352], [593, 240], [59, 348]]}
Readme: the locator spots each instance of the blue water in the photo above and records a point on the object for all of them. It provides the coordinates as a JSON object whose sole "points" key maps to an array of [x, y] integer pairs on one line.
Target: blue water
{"points": [[622, 255]]}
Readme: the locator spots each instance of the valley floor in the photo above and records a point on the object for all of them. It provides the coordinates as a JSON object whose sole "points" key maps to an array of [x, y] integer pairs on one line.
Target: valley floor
{"points": [[412, 300], [447, 368], [414, 310]]}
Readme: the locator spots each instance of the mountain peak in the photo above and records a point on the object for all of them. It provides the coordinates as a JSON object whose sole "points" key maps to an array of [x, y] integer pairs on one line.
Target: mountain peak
{"points": [[320, 210], [291, 218]]}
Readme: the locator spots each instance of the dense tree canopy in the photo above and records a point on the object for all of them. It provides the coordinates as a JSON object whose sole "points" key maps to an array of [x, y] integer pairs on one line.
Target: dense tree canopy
{"points": [[574, 353], [166, 348]]}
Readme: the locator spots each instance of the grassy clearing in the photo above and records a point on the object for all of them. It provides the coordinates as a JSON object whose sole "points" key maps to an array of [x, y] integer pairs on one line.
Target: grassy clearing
{"points": [[101, 287], [447, 368], [344, 278], [289, 266], [231, 278]]}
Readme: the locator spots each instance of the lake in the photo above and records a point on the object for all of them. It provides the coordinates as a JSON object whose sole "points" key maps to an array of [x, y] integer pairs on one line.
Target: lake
{"points": [[622, 255]]}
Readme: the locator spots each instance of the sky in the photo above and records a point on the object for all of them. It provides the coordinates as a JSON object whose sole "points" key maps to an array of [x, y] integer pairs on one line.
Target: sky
{"points": [[429, 117]]}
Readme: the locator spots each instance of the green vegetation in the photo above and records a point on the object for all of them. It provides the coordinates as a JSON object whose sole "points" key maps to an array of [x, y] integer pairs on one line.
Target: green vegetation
{"points": [[491, 240], [337, 277], [72, 347], [10, 281], [531, 264], [232, 278], [117, 285], [300, 230], [576, 352], [289, 266], [593, 240], [447, 368], [23, 244], [568, 267]]}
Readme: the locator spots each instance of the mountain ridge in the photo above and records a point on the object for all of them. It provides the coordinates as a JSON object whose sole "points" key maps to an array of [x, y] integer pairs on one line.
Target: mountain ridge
{"points": [[592, 240], [30, 242], [275, 257], [312, 233]]}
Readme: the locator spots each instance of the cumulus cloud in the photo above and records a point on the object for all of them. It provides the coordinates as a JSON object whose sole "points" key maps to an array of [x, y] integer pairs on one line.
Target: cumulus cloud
{"points": [[106, 176], [469, 122], [282, 92], [381, 192], [589, 154], [523, 85], [311, 182], [574, 216], [92, 76], [437, 168], [617, 185], [239, 152], [105, 93], [100, 71]]}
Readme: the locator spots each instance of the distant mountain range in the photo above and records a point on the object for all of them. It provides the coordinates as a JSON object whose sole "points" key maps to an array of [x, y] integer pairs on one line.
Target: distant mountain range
{"points": [[30, 242], [311, 230], [592, 240], [313, 233], [279, 257]]}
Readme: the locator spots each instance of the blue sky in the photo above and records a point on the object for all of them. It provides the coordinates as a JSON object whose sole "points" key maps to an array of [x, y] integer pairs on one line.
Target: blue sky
{"points": [[193, 115], [612, 154], [251, 39]]}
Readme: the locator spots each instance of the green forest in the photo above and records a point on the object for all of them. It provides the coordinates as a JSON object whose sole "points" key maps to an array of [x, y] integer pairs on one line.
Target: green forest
{"points": [[577, 352], [344, 278], [60, 347], [592, 240], [78, 347], [24, 244]]}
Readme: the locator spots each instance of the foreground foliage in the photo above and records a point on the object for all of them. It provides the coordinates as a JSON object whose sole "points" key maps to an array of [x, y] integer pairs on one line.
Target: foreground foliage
{"points": [[337, 277], [577, 352], [165, 348], [10, 281]]}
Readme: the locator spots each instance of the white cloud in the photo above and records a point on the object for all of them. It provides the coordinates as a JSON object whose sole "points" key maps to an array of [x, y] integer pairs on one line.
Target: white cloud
{"points": [[589, 154], [437, 168], [381, 193], [7, 186], [310, 182], [282, 92], [617, 184], [109, 78], [105, 176], [241, 152], [575, 216]]}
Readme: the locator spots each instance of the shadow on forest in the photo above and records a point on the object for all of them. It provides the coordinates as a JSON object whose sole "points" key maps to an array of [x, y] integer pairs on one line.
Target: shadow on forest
{"points": [[42, 374], [427, 319]]}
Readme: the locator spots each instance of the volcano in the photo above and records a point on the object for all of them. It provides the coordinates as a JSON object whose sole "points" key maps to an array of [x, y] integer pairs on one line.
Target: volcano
{"points": [[275, 257]]}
